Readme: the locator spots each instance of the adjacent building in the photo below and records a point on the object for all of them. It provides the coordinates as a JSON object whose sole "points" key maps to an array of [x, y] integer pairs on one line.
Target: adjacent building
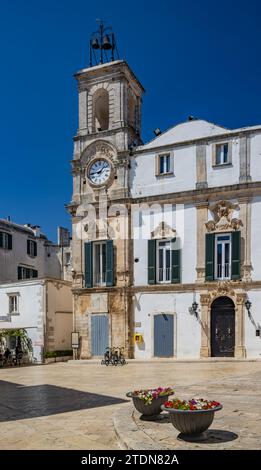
{"points": [[35, 288], [166, 253]]}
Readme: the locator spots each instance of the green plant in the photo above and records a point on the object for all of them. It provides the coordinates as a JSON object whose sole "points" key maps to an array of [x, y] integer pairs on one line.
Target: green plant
{"points": [[58, 353]]}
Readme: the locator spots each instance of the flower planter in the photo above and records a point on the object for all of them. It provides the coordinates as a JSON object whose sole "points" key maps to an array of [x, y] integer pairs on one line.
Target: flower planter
{"points": [[150, 406], [191, 423], [152, 409]]}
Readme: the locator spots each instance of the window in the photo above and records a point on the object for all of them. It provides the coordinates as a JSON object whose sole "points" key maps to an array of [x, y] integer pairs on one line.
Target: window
{"points": [[31, 248], [5, 240], [13, 303], [99, 263], [223, 257], [67, 259], [26, 273], [221, 154], [163, 261], [164, 164]]}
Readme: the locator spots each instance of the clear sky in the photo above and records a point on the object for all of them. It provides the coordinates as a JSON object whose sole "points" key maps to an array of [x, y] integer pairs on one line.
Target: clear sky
{"points": [[193, 57]]}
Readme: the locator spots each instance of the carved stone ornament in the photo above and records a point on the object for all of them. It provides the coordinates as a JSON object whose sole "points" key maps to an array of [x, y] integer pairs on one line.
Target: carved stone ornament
{"points": [[98, 149], [222, 213], [224, 288], [163, 231]]}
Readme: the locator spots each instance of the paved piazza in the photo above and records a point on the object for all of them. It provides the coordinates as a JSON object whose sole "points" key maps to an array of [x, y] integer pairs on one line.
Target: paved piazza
{"points": [[66, 406]]}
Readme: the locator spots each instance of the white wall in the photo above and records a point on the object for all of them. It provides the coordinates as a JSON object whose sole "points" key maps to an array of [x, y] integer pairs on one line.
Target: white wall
{"points": [[187, 331], [144, 181], [181, 218], [255, 157], [226, 174], [253, 342], [255, 238], [31, 308], [46, 262]]}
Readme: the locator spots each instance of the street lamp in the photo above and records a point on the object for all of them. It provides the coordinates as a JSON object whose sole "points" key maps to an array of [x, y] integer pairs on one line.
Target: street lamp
{"points": [[248, 307], [194, 309]]}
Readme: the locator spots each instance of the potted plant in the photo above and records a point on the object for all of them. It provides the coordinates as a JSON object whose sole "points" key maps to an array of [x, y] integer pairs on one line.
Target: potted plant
{"points": [[148, 402], [191, 417]]}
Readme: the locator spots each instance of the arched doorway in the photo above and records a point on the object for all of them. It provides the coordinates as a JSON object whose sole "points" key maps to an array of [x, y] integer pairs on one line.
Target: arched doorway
{"points": [[222, 327]]}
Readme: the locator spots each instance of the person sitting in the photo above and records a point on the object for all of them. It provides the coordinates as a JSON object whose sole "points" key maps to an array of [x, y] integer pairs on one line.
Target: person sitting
{"points": [[18, 355]]}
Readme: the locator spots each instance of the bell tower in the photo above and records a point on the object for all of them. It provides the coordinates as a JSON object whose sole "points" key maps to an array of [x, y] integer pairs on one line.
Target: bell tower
{"points": [[109, 125]]}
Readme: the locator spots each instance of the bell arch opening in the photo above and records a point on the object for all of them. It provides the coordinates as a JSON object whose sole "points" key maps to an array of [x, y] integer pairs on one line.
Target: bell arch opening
{"points": [[100, 110]]}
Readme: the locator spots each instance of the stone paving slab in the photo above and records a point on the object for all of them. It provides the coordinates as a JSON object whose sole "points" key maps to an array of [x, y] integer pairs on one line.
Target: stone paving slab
{"points": [[60, 406]]}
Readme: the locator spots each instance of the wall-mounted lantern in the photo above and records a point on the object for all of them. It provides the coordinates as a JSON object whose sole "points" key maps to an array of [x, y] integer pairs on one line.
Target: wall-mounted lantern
{"points": [[193, 310], [248, 305]]}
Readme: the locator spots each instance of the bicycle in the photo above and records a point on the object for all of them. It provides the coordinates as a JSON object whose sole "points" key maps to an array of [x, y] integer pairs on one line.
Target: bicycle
{"points": [[107, 357]]}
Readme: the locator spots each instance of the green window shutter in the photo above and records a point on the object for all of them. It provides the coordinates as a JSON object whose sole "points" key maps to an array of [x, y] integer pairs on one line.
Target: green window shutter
{"points": [[175, 262], [151, 261], [35, 249], [88, 264], [109, 263], [235, 264], [10, 245], [209, 256]]}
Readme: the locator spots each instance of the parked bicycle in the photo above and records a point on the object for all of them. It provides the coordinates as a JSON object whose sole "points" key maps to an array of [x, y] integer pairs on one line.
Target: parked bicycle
{"points": [[113, 356]]}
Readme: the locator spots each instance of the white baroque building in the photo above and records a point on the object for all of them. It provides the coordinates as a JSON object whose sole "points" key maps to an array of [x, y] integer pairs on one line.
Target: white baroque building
{"points": [[184, 281]]}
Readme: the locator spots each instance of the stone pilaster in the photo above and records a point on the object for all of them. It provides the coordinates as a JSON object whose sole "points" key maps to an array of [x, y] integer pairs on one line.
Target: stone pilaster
{"points": [[245, 216], [201, 165], [202, 217], [205, 325], [240, 350], [244, 159]]}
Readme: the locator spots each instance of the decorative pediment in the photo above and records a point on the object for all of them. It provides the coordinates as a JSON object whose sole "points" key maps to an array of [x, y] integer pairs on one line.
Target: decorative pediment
{"points": [[222, 217], [163, 230]]}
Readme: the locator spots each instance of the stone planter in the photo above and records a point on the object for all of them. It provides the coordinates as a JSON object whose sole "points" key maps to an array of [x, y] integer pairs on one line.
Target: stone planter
{"points": [[191, 423], [153, 409]]}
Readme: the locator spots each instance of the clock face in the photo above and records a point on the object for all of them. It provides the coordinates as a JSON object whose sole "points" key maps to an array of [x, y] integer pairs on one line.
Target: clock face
{"points": [[99, 171]]}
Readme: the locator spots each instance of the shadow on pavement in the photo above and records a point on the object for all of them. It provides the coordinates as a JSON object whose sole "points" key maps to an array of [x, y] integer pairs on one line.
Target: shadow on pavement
{"points": [[24, 402]]}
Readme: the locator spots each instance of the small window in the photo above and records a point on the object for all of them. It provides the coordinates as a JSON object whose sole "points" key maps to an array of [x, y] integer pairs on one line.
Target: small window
{"points": [[6, 241], [164, 164], [221, 154], [13, 304], [31, 248], [67, 259]]}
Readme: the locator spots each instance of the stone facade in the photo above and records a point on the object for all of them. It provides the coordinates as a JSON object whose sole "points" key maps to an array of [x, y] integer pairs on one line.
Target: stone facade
{"points": [[209, 189]]}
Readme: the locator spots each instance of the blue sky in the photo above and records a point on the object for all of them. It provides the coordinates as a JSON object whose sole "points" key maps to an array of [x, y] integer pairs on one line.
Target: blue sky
{"points": [[192, 57]]}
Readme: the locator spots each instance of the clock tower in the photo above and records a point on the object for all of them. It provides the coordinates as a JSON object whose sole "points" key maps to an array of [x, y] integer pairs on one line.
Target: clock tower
{"points": [[110, 98]]}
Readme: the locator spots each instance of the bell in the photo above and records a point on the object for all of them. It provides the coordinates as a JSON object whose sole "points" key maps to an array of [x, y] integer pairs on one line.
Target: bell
{"points": [[106, 43], [95, 43]]}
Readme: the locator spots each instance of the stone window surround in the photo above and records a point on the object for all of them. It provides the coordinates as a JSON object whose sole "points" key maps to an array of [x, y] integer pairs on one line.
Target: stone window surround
{"points": [[214, 154], [157, 164], [17, 295]]}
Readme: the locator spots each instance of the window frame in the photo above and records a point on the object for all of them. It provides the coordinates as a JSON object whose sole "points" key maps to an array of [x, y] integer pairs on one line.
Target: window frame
{"points": [[164, 281], [222, 242], [103, 283], [216, 145], [13, 295], [31, 248], [159, 156], [26, 270]]}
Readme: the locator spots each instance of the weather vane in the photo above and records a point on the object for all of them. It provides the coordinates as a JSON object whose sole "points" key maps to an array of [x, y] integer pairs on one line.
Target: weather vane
{"points": [[104, 41]]}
